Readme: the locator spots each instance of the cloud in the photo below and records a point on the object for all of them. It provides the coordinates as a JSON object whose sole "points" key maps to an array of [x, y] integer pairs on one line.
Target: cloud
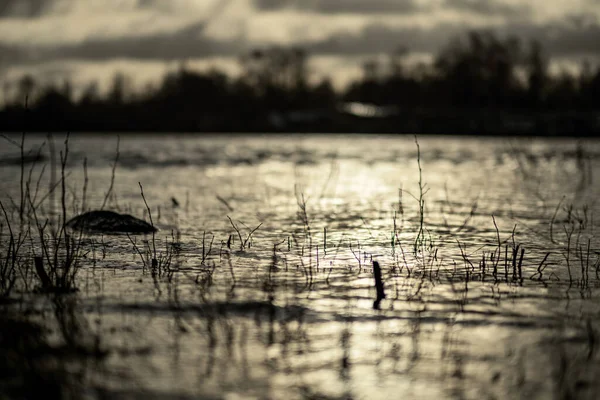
{"points": [[481, 7], [376, 38], [181, 44], [23, 8], [490, 7], [559, 39], [563, 38], [10, 55], [181, 6], [343, 6], [141, 36]]}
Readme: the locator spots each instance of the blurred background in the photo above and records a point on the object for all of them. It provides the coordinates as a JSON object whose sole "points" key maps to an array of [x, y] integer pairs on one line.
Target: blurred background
{"points": [[425, 66]]}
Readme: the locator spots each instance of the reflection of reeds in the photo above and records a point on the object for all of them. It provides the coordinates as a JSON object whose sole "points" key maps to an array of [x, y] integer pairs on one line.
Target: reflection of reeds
{"points": [[33, 360]]}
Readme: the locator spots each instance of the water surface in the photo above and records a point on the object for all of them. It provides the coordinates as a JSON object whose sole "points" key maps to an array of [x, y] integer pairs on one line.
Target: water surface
{"points": [[492, 285]]}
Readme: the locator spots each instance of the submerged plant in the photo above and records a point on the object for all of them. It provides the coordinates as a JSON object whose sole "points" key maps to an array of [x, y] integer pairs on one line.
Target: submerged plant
{"points": [[244, 242], [11, 261], [60, 247], [159, 262], [54, 249], [423, 240]]}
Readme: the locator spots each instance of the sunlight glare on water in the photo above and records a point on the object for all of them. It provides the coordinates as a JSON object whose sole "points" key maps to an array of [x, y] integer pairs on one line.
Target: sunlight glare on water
{"points": [[278, 302]]}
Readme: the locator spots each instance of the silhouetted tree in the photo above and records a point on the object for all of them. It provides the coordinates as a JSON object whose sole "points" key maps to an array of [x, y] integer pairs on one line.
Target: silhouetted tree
{"points": [[475, 84], [537, 70], [593, 90], [90, 94], [119, 90], [26, 87], [276, 67], [562, 93], [480, 72], [397, 60]]}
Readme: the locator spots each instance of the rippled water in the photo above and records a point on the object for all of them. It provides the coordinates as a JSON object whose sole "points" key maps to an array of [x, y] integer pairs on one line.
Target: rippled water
{"points": [[287, 312]]}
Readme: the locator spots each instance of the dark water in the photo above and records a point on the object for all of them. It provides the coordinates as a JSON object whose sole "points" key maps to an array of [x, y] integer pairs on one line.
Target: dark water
{"points": [[492, 288]]}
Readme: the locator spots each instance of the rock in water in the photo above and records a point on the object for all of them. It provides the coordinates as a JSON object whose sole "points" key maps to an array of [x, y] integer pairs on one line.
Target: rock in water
{"points": [[109, 222]]}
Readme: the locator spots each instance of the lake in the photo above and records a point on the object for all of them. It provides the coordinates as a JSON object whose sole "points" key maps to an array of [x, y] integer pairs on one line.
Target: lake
{"points": [[263, 285]]}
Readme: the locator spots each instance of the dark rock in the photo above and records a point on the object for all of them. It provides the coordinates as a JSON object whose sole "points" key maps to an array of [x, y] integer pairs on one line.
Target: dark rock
{"points": [[109, 222]]}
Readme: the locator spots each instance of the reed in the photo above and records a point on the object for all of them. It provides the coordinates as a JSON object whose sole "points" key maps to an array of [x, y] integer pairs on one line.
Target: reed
{"points": [[11, 259], [420, 238], [60, 249], [55, 249], [244, 242], [158, 262], [109, 194], [206, 251]]}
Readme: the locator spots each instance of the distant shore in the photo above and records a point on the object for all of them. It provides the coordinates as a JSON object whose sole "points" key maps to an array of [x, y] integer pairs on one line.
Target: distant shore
{"points": [[350, 117]]}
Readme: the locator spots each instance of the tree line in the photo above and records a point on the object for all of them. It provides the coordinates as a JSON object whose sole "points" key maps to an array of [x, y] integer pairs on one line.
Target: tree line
{"points": [[476, 80]]}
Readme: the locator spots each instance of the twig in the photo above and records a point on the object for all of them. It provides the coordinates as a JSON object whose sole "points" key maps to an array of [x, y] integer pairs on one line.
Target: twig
{"points": [[112, 177], [225, 203], [151, 222], [553, 218]]}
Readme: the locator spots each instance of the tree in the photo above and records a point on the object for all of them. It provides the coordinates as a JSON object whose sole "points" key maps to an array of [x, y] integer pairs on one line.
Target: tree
{"points": [[26, 87], [90, 94], [397, 61], [537, 79], [120, 89], [276, 67], [481, 70]]}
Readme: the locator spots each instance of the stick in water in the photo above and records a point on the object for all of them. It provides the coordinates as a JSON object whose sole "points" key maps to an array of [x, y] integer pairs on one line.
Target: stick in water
{"points": [[378, 285]]}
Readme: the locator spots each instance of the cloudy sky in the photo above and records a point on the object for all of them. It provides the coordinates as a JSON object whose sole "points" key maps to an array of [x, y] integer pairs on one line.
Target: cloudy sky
{"points": [[87, 40]]}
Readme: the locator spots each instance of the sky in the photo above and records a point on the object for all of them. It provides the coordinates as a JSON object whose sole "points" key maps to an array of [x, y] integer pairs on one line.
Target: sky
{"points": [[85, 40]]}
